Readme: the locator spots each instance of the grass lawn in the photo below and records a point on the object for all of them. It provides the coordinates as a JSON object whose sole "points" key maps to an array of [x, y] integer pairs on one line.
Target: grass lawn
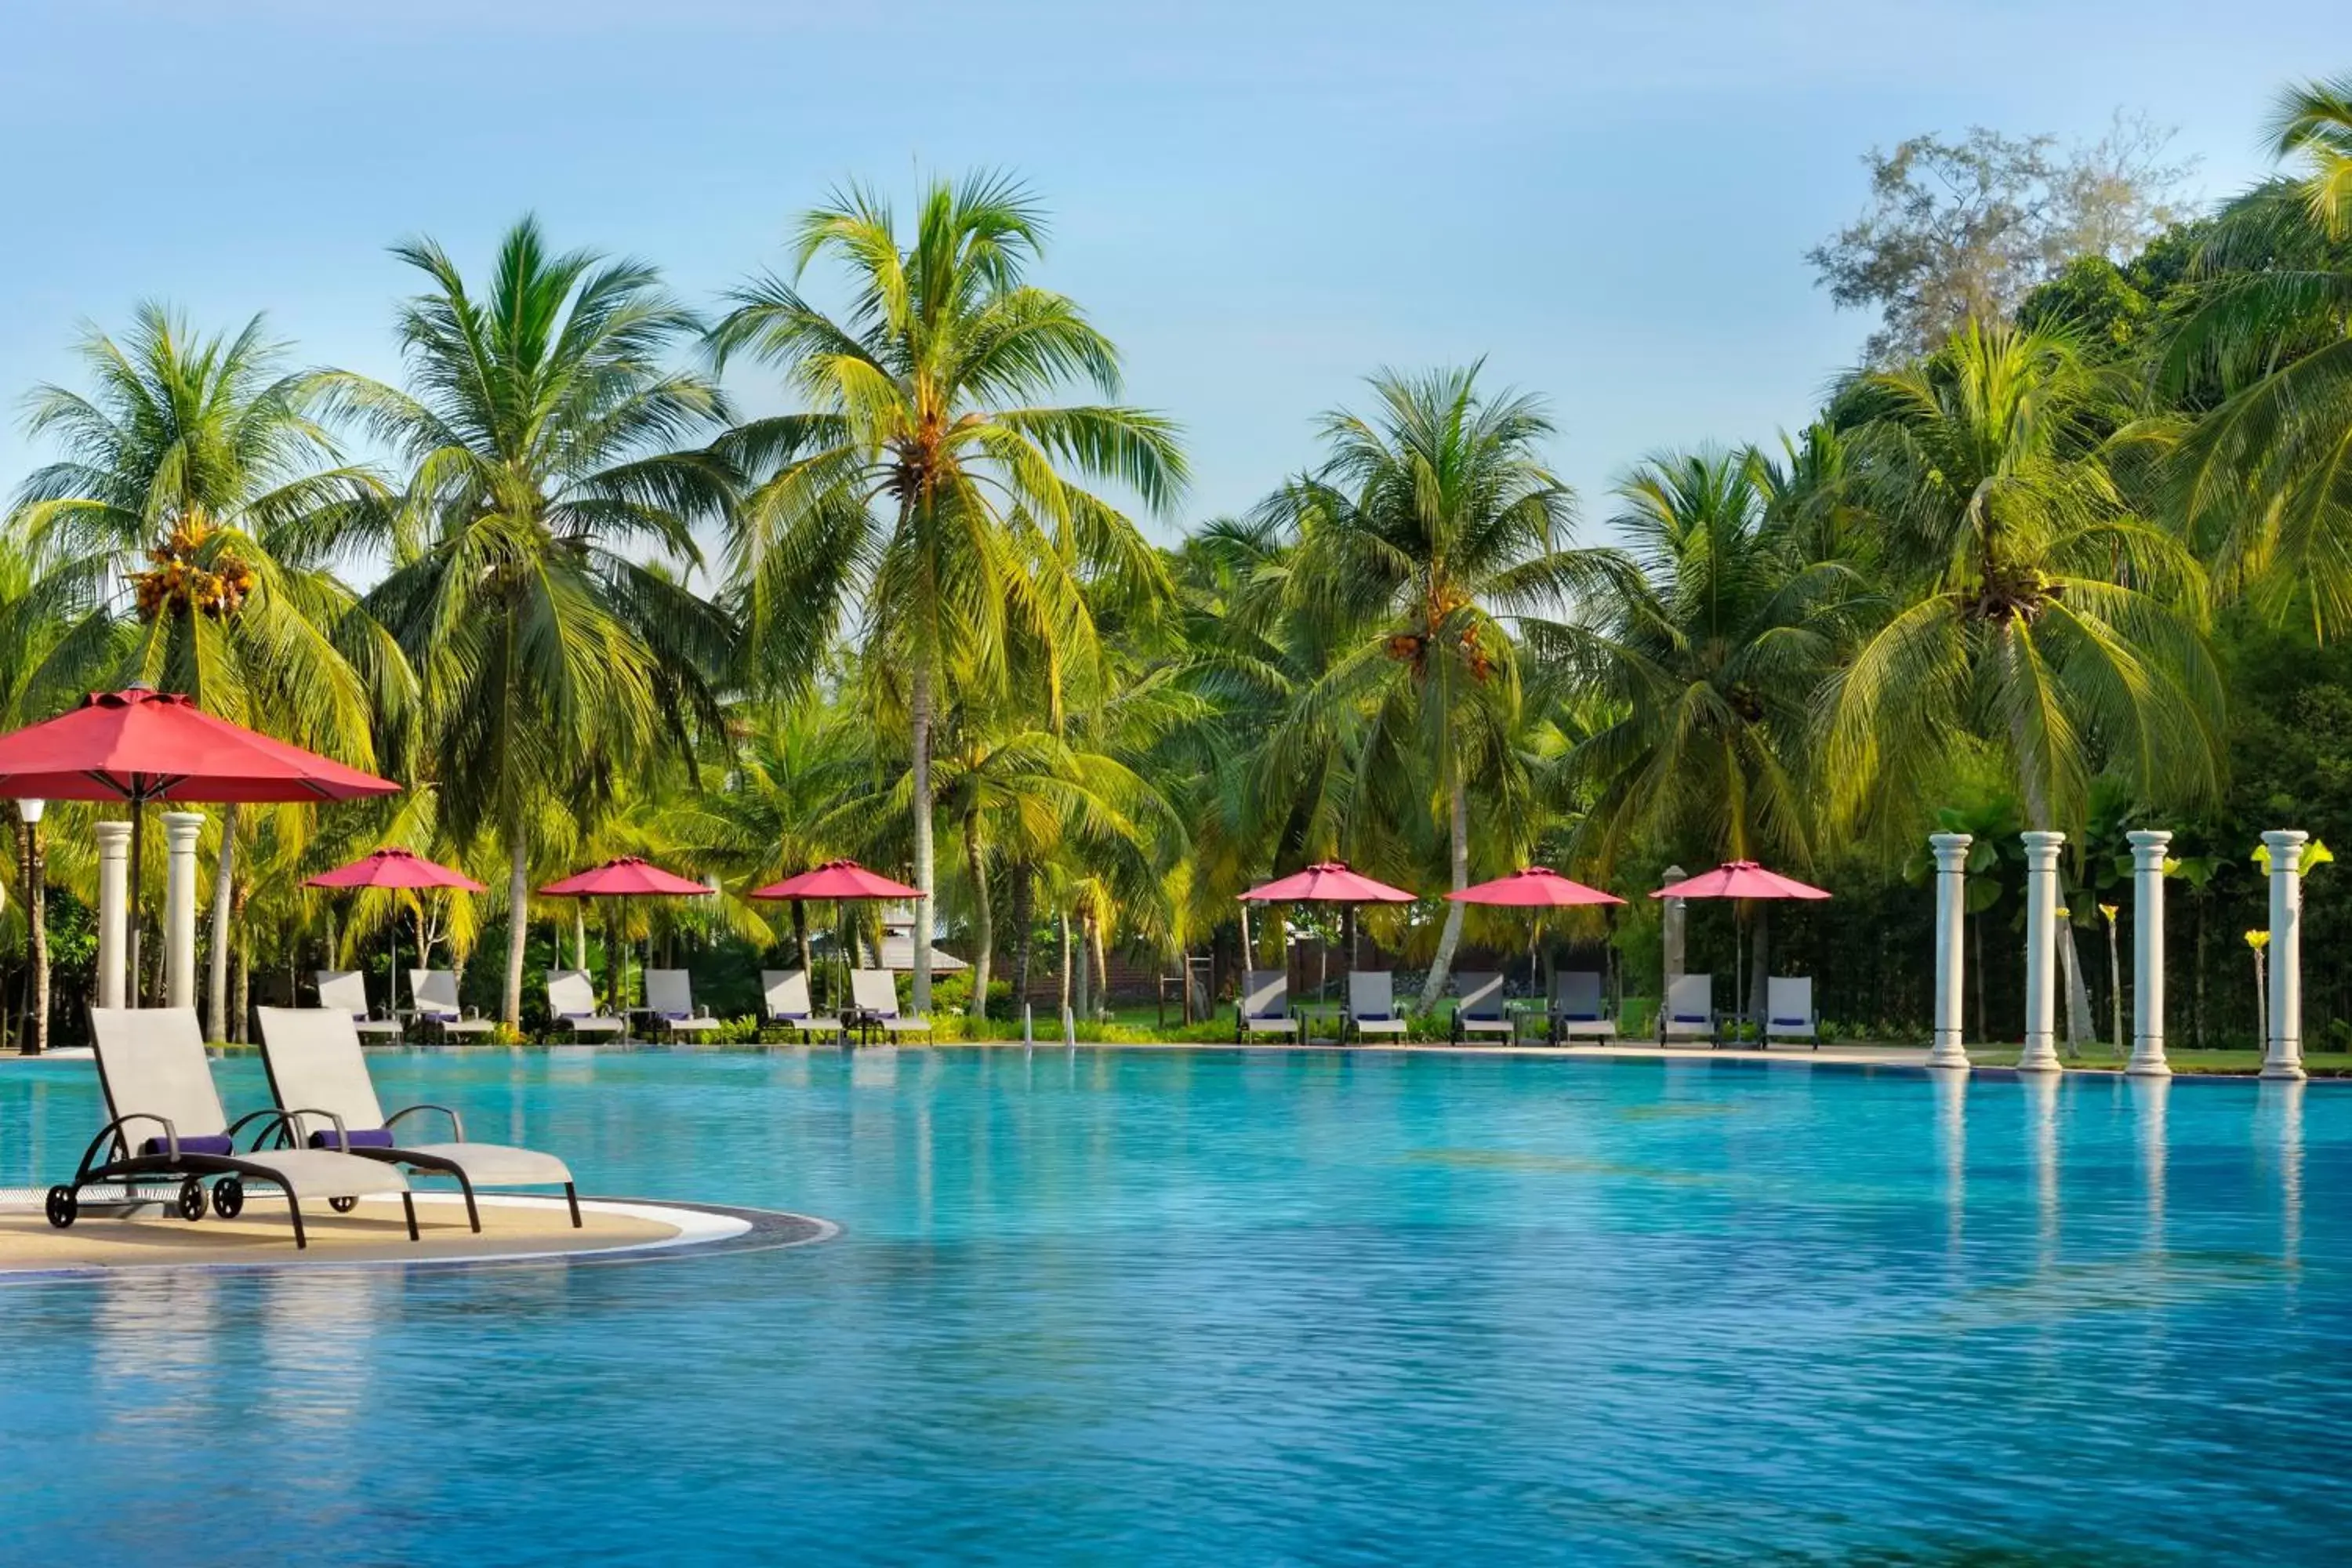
{"points": [[2318, 1064]]}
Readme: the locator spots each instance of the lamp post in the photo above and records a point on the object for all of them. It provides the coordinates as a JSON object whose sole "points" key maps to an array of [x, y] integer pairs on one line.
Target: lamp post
{"points": [[35, 1037]]}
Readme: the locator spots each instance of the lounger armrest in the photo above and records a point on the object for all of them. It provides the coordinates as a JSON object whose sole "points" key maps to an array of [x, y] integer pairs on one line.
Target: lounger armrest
{"points": [[342, 1143], [288, 1134], [113, 1130], [456, 1123]]}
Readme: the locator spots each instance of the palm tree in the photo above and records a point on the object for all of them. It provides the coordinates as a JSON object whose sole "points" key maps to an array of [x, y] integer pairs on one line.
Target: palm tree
{"points": [[176, 539], [1701, 665], [1428, 524], [2038, 615], [929, 478], [2265, 471], [541, 433]]}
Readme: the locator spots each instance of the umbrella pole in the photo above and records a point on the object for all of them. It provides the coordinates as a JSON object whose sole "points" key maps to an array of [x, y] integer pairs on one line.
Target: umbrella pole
{"points": [[138, 834]]}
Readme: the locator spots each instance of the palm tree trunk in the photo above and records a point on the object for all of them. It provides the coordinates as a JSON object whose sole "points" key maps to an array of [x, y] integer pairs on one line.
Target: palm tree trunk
{"points": [[919, 713], [1024, 921], [984, 941], [223, 935], [1759, 963], [517, 923], [1065, 918], [1451, 937], [1083, 998], [1102, 967], [800, 943], [241, 998]]}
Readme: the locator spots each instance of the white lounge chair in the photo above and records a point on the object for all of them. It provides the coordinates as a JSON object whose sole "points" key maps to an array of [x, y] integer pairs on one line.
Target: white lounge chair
{"points": [[1576, 1007], [320, 1080], [875, 992], [165, 1122], [345, 990], [787, 992], [669, 997], [572, 1003], [1480, 1010], [1789, 1010], [1263, 1005], [1689, 1011], [1372, 1004], [435, 992]]}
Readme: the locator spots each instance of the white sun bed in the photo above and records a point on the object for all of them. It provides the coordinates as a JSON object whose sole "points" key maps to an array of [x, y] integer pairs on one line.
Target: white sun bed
{"points": [[345, 990]]}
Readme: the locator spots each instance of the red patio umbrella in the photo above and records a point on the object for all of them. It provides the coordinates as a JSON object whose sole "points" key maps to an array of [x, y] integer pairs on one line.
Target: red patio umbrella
{"points": [[840, 881], [628, 877], [139, 745], [1737, 880], [397, 868], [1325, 882], [1533, 888]]}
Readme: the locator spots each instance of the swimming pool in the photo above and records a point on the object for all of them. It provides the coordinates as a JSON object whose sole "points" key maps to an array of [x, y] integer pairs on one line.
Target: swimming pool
{"points": [[1128, 1305]]}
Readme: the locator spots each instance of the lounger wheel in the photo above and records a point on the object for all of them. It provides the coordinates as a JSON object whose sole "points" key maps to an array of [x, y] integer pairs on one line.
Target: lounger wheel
{"points": [[229, 1197], [343, 1205], [190, 1204], [64, 1206]]}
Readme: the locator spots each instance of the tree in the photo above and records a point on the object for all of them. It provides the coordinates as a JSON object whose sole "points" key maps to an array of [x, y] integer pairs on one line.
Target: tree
{"points": [[176, 540], [1963, 230], [928, 480], [2034, 610], [542, 435], [2267, 474], [1429, 523], [1703, 665]]}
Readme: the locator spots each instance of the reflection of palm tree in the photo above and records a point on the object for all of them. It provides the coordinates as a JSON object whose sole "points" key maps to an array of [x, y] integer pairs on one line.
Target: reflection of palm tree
{"points": [[178, 539], [1429, 523], [542, 434], [927, 474], [2039, 615]]}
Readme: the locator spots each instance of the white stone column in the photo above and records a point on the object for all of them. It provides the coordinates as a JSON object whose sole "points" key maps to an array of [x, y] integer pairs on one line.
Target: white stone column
{"points": [[2040, 967], [114, 908], [2148, 954], [180, 831], [2284, 1057], [1672, 921], [1950, 1049]]}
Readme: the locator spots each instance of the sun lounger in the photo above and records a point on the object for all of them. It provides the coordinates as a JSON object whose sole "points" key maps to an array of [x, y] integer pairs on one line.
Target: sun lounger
{"points": [[1689, 1011], [787, 994], [320, 1080], [874, 994], [1372, 1004], [1263, 1005], [1789, 1010], [572, 1003], [1576, 1007], [166, 1123], [1480, 1009], [345, 990], [669, 997], [435, 992]]}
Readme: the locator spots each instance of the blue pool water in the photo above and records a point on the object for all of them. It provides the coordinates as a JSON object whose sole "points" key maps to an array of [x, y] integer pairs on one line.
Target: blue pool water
{"points": [[1183, 1306]]}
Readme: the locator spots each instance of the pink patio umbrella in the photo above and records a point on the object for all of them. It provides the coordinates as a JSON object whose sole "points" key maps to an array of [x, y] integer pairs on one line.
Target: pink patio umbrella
{"points": [[842, 881], [629, 876], [1738, 880], [1533, 888], [1325, 882], [397, 868]]}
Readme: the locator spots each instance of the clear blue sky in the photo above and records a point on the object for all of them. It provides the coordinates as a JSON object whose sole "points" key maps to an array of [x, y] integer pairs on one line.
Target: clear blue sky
{"points": [[1261, 201]]}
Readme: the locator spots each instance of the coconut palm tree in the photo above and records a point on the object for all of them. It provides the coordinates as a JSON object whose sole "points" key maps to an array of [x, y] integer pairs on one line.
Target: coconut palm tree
{"points": [[929, 481], [542, 432], [2267, 474], [2036, 612], [1431, 523], [176, 542], [1701, 665]]}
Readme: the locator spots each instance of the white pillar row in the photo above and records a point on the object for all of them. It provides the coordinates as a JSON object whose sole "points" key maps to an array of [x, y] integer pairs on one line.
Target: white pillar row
{"points": [[2284, 1059], [2148, 954], [180, 831], [1950, 1049], [114, 908], [2041, 1053]]}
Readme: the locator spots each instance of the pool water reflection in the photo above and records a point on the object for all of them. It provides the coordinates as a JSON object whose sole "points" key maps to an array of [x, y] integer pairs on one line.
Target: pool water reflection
{"points": [[1169, 1307]]}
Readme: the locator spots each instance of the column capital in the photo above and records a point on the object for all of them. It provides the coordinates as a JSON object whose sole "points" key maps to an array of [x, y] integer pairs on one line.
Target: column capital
{"points": [[182, 827], [113, 838], [2041, 846], [2149, 843], [2285, 845], [1951, 849]]}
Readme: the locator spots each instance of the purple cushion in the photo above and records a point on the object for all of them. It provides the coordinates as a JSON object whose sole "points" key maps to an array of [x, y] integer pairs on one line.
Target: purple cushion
{"points": [[209, 1144], [361, 1138], [568, 1017], [677, 1017]]}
